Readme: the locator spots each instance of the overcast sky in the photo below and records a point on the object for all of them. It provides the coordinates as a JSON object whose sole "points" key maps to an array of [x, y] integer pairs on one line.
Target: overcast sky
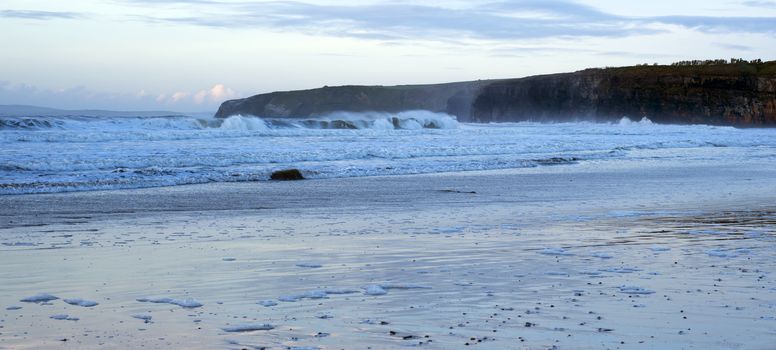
{"points": [[192, 55]]}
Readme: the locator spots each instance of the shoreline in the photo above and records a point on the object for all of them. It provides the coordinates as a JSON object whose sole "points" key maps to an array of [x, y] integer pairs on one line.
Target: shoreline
{"points": [[591, 185]]}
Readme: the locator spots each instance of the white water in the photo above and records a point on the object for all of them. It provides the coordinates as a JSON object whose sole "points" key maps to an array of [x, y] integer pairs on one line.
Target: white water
{"points": [[56, 154]]}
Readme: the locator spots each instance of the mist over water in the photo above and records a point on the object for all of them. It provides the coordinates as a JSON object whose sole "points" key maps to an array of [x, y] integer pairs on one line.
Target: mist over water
{"points": [[55, 154]]}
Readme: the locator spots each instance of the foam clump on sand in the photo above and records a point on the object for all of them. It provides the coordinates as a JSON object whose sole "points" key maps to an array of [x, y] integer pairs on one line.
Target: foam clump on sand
{"points": [[635, 290], [39, 298], [267, 303], [658, 248], [382, 289], [248, 327], [341, 291], [146, 318], [375, 290], [601, 255], [81, 302], [185, 303], [313, 294], [63, 317], [555, 251]]}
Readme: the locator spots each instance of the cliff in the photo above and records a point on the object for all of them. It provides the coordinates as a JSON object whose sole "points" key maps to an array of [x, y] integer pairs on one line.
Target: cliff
{"points": [[453, 98], [741, 94]]}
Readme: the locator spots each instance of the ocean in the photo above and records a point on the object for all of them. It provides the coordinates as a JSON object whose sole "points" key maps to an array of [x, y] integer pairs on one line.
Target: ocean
{"points": [[79, 153], [579, 235]]}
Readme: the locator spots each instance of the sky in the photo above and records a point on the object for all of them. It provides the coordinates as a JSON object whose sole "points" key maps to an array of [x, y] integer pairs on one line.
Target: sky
{"points": [[192, 55]]}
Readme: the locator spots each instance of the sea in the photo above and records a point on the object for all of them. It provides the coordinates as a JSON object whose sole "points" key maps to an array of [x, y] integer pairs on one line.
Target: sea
{"points": [[40, 154]]}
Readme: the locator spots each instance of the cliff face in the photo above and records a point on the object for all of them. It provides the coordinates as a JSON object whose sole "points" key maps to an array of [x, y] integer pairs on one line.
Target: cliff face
{"points": [[739, 96], [732, 94], [452, 98]]}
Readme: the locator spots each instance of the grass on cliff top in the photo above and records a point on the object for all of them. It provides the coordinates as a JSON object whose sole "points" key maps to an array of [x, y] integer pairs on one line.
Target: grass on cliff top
{"points": [[730, 69]]}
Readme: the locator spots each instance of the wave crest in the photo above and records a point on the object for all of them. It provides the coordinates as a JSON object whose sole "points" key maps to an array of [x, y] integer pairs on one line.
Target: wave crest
{"points": [[625, 121], [239, 122], [408, 120]]}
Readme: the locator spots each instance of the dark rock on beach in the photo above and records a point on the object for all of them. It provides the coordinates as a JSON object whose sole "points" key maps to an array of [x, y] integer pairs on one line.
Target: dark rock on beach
{"points": [[286, 175]]}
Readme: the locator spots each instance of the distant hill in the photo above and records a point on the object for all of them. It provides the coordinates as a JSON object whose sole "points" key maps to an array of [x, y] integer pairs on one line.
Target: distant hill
{"points": [[714, 92], [34, 111]]}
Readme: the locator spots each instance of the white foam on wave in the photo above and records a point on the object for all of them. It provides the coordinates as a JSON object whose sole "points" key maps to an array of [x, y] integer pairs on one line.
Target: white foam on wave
{"points": [[382, 124], [406, 120], [95, 129], [240, 122], [625, 121], [77, 123]]}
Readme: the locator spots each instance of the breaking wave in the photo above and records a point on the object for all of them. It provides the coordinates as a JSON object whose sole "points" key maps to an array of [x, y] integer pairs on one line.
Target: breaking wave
{"points": [[625, 121], [408, 120]]}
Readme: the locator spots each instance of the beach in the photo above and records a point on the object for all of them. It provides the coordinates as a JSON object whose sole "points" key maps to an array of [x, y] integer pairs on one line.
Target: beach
{"points": [[627, 254], [385, 174]]}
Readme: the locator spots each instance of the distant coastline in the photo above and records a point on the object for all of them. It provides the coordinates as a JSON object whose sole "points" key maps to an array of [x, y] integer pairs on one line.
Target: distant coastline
{"points": [[37, 111], [715, 92]]}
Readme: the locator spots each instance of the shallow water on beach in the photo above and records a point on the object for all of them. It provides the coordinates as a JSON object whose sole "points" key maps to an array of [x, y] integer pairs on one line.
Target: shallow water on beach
{"points": [[437, 279]]}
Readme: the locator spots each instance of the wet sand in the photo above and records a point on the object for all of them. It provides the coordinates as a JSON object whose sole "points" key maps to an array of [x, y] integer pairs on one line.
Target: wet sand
{"points": [[587, 256]]}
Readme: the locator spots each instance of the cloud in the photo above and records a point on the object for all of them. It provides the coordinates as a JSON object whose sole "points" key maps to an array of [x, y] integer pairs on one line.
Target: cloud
{"points": [[500, 20], [722, 24], [404, 21], [735, 47], [39, 15], [765, 4], [217, 93], [534, 51], [178, 96]]}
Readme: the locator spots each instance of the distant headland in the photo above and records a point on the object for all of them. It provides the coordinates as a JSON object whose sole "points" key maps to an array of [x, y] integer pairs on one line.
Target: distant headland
{"points": [[717, 92]]}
